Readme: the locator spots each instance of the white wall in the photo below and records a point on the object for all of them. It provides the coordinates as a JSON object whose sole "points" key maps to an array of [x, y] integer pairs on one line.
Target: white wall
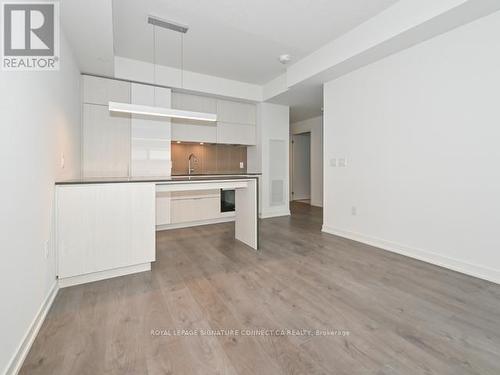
{"points": [[141, 71], [315, 126], [40, 120], [272, 130], [421, 133]]}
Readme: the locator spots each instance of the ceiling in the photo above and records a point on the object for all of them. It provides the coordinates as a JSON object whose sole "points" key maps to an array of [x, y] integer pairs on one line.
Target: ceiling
{"points": [[235, 39]]}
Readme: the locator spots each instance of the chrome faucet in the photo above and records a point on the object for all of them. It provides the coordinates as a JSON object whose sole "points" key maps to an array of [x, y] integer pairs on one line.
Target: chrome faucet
{"points": [[190, 158]]}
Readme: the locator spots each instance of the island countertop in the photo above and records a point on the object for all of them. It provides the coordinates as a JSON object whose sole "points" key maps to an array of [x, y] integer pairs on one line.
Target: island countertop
{"points": [[159, 179]]}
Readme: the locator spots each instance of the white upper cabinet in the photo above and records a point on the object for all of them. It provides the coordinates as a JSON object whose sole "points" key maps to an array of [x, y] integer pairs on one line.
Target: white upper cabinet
{"points": [[235, 112], [195, 103], [235, 121], [190, 130], [236, 134], [187, 131], [97, 90], [106, 142], [150, 136]]}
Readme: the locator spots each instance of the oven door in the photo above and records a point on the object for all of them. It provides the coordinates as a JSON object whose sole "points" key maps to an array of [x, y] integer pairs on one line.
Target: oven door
{"points": [[227, 201]]}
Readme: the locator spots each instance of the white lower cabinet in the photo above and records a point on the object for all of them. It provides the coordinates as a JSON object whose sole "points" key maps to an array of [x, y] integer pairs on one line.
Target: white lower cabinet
{"points": [[191, 206], [104, 227], [163, 216]]}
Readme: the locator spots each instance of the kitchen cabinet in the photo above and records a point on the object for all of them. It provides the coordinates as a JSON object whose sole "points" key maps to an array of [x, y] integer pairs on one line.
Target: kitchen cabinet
{"points": [[186, 131], [163, 216], [192, 206], [236, 122], [240, 134], [150, 136], [105, 142], [101, 91], [197, 103], [236, 112], [191, 130], [102, 227], [119, 145]]}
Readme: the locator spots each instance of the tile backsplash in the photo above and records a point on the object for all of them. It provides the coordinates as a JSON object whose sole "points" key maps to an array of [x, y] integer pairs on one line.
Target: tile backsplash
{"points": [[209, 158]]}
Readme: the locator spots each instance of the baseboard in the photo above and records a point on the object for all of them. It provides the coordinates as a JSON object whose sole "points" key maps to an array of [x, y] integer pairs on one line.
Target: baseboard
{"points": [[466, 268], [317, 204], [196, 223], [277, 213], [25, 346], [102, 275]]}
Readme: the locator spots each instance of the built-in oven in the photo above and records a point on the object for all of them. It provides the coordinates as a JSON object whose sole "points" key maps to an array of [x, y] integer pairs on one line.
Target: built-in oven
{"points": [[227, 200]]}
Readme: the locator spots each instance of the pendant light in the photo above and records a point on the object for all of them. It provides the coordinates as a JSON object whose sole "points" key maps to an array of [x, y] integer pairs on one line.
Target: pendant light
{"points": [[163, 111]]}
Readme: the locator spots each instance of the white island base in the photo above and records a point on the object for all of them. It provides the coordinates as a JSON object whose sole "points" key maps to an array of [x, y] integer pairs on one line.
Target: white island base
{"points": [[108, 229]]}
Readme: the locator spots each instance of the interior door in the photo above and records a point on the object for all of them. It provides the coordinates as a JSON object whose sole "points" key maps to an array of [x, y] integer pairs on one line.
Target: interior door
{"points": [[301, 168]]}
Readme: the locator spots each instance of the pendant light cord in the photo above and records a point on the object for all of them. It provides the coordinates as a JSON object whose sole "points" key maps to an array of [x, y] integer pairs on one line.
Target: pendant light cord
{"points": [[182, 60], [154, 65]]}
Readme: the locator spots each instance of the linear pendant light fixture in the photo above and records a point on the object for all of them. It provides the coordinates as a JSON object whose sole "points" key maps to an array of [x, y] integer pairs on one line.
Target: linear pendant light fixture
{"points": [[162, 111], [146, 110]]}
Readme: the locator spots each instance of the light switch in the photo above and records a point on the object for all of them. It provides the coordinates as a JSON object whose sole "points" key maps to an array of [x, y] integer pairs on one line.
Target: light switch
{"points": [[333, 162], [342, 162], [242, 165]]}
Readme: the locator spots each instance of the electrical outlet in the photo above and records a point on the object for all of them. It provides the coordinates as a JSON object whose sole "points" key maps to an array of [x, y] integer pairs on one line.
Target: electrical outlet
{"points": [[354, 211], [46, 249], [242, 165]]}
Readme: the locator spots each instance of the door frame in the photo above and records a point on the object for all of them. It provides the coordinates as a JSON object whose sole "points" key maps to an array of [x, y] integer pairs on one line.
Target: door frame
{"points": [[292, 152]]}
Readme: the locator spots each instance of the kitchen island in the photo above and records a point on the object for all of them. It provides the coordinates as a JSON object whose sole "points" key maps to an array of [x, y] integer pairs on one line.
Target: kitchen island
{"points": [[105, 227]]}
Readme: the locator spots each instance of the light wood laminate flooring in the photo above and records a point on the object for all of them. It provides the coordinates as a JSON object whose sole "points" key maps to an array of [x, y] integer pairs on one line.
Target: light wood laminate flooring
{"points": [[403, 316]]}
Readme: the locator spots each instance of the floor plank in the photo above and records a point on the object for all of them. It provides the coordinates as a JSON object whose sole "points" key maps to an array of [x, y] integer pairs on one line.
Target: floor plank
{"points": [[403, 316]]}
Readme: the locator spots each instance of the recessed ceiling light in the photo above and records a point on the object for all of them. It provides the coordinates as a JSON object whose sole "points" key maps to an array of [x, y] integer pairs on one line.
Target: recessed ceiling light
{"points": [[201, 143], [178, 142]]}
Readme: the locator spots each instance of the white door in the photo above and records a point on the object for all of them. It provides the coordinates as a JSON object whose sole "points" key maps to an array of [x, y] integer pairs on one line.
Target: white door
{"points": [[301, 166]]}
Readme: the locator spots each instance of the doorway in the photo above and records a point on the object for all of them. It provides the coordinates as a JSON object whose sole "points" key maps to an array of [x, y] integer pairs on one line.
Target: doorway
{"points": [[301, 167]]}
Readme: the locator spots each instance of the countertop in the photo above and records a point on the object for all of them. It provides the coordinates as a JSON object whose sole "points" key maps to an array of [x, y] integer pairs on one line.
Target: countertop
{"points": [[199, 177]]}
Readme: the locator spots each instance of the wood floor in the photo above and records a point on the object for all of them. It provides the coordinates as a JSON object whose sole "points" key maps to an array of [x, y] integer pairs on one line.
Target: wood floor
{"points": [[403, 316]]}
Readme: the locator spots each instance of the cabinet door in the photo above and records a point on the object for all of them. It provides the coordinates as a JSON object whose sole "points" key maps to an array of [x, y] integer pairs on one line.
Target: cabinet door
{"points": [[230, 133], [190, 130], [106, 142], [150, 137], [163, 208], [104, 226], [97, 90], [187, 131], [195, 103], [235, 112]]}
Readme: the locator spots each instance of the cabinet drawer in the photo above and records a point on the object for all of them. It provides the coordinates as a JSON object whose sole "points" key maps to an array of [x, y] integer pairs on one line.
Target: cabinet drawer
{"points": [[194, 209]]}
